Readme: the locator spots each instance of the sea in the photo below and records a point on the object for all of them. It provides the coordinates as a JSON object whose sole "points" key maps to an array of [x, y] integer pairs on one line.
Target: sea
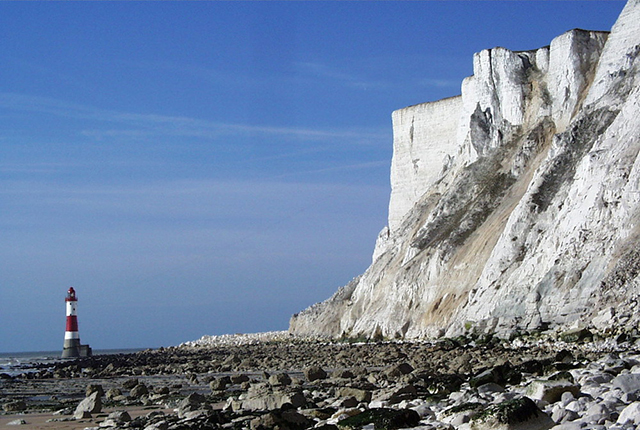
{"points": [[15, 363]]}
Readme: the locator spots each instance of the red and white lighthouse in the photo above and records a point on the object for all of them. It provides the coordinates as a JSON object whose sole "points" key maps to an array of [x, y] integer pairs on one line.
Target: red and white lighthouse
{"points": [[72, 347]]}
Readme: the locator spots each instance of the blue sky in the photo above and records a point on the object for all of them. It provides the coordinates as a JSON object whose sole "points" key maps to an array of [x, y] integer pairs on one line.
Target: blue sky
{"points": [[202, 168]]}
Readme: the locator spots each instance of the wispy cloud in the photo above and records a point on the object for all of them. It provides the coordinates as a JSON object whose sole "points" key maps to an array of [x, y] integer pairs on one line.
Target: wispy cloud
{"points": [[439, 83], [340, 76], [340, 168], [142, 124]]}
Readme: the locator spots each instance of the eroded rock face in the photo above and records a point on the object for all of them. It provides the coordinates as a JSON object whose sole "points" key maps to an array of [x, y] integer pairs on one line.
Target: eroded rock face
{"points": [[514, 206]]}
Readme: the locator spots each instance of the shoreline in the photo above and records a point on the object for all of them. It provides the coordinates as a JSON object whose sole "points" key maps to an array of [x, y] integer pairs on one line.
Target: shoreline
{"points": [[242, 379]]}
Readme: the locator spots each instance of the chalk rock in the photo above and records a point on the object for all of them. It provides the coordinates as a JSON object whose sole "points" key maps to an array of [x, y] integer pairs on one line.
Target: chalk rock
{"points": [[551, 391], [630, 414], [628, 383], [514, 205], [92, 404], [263, 397]]}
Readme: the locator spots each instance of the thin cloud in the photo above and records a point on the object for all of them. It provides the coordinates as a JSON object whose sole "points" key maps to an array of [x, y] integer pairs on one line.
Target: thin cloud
{"points": [[439, 83], [326, 72], [343, 168], [154, 124]]}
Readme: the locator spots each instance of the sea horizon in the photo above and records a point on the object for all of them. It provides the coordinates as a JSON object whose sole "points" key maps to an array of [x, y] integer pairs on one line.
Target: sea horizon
{"points": [[52, 354]]}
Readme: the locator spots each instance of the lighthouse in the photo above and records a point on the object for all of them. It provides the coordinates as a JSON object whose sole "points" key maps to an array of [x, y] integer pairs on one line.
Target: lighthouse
{"points": [[72, 347]]}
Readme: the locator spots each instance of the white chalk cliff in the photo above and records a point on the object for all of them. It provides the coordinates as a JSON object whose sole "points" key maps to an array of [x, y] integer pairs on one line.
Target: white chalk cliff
{"points": [[514, 206]]}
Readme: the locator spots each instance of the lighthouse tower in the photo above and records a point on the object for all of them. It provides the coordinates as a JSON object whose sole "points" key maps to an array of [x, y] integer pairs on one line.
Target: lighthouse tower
{"points": [[72, 347]]}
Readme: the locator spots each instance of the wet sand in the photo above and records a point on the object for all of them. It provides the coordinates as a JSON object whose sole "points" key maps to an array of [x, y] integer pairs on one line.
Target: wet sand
{"points": [[38, 420]]}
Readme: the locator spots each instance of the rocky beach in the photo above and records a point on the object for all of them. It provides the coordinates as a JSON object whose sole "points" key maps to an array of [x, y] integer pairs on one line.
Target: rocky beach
{"points": [[574, 380]]}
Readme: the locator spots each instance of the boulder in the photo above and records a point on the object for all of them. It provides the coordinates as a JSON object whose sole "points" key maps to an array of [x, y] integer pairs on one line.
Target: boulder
{"points": [[502, 375], [280, 379], [120, 416], [343, 374], [91, 388], [112, 393], [139, 391], [160, 425], [382, 418], [314, 373], [577, 335], [220, 384], [116, 419], [15, 406], [91, 404], [363, 396], [517, 414], [18, 422], [82, 415], [398, 370], [630, 414], [551, 391], [130, 383], [193, 402], [261, 397], [239, 379], [278, 419], [628, 383], [394, 395]]}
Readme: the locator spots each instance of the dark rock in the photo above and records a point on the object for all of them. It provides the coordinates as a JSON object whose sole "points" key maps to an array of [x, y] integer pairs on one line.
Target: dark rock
{"points": [[517, 413], [398, 370], [438, 385], [280, 379], [16, 406], [139, 391], [349, 402], [314, 373], [321, 413], [382, 419], [192, 403], [161, 390], [578, 335], [130, 383], [502, 375], [282, 420], [92, 388], [239, 379], [343, 374], [112, 393], [562, 376], [220, 384], [564, 356]]}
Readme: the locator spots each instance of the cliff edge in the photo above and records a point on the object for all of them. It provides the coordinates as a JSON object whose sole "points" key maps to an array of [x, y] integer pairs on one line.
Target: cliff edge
{"points": [[514, 206]]}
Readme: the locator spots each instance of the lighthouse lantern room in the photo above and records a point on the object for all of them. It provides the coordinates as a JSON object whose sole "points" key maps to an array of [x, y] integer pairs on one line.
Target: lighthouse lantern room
{"points": [[72, 347]]}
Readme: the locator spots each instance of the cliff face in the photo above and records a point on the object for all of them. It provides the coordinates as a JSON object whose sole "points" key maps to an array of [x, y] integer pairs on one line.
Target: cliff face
{"points": [[514, 206]]}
